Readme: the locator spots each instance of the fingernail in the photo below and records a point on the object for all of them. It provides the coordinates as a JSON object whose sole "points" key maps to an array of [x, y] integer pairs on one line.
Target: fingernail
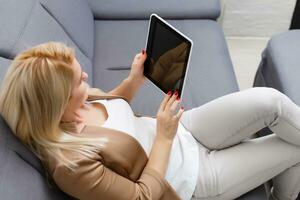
{"points": [[175, 93], [178, 98], [169, 93], [182, 108], [143, 51]]}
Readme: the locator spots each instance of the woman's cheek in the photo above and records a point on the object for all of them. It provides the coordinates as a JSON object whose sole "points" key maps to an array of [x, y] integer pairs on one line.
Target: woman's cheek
{"points": [[84, 94], [86, 91], [78, 101]]}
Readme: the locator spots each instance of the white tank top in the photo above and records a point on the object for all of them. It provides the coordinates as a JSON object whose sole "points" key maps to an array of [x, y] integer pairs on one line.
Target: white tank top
{"points": [[183, 165]]}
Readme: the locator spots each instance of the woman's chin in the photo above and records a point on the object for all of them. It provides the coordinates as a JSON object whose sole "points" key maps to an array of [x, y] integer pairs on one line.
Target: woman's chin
{"points": [[86, 97]]}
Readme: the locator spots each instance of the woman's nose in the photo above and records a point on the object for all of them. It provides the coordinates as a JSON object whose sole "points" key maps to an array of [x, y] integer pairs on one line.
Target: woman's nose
{"points": [[85, 76]]}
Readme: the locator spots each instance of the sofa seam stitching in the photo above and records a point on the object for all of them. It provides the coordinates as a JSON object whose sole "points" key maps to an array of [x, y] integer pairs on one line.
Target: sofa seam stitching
{"points": [[24, 26], [64, 30]]}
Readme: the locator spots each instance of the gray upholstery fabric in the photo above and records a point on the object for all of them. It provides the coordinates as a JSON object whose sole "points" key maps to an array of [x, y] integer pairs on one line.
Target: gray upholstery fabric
{"points": [[37, 22], [21, 172], [279, 67], [258, 193], [77, 20], [4, 63], [168, 9], [12, 25], [210, 74]]}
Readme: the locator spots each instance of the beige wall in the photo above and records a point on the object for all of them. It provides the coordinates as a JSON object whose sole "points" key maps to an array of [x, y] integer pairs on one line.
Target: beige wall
{"points": [[256, 18]]}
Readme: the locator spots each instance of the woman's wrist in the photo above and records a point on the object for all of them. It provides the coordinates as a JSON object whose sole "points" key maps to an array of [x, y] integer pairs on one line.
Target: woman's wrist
{"points": [[135, 81], [159, 155], [160, 137]]}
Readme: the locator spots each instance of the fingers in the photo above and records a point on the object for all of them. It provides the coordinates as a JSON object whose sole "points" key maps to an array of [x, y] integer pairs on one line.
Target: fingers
{"points": [[144, 54], [179, 113], [174, 105], [139, 60], [165, 101], [172, 99], [170, 102], [141, 56]]}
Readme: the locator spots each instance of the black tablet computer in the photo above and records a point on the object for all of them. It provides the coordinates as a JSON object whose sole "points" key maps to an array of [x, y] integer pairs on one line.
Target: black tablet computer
{"points": [[168, 54]]}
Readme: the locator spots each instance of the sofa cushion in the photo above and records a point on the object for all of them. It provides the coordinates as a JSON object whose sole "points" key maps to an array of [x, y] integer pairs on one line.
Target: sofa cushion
{"points": [[77, 20], [31, 22], [169, 9], [21, 173], [4, 63], [210, 74], [279, 67]]}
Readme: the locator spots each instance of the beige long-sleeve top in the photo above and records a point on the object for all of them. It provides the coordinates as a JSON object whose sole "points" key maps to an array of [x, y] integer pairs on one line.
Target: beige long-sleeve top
{"points": [[117, 172]]}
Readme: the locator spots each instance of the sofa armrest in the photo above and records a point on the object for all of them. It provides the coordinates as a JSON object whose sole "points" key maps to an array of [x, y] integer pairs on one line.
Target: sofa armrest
{"points": [[280, 63], [142, 9]]}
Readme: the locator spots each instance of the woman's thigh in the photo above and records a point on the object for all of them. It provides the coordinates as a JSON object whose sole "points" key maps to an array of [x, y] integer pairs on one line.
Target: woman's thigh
{"points": [[229, 119], [243, 167]]}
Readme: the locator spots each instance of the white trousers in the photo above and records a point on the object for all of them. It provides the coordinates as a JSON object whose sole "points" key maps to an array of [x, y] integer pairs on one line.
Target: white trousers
{"points": [[230, 165]]}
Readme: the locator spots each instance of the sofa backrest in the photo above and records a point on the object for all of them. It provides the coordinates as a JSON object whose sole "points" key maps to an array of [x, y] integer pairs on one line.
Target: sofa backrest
{"points": [[168, 9], [4, 63], [27, 23], [24, 24]]}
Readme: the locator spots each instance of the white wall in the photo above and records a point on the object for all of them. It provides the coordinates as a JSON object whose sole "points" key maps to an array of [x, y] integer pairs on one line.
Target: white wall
{"points": [[256, 18]]}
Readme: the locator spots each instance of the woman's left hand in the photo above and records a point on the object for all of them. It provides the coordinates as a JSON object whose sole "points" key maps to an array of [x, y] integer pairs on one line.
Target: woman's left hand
{"points": [[137, 68]]}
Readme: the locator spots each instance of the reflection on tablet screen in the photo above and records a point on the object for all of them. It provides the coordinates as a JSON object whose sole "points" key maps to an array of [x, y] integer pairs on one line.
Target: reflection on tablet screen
{"points": [[168, 68], [168, 54]]}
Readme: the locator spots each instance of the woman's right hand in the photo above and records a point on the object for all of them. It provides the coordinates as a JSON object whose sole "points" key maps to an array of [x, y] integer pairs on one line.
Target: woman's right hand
{"points": [[167, 117]]}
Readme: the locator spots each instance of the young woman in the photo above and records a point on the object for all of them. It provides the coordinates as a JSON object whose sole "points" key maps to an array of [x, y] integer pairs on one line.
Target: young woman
{"points": [[94, 147]]}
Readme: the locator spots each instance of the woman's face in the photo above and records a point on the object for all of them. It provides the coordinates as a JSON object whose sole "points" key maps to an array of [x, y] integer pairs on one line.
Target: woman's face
{"points": [[78, 95]]}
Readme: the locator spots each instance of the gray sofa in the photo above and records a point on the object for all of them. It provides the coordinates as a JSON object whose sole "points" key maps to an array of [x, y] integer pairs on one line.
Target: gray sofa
{"points": [[106, 35], [279, 66], [280, 69]]}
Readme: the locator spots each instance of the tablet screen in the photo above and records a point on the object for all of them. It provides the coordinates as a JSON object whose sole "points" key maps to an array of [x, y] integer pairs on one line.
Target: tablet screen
{"points": [[168, 52]]}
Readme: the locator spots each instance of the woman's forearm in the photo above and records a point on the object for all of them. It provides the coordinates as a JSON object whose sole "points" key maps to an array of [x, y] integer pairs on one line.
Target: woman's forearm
{"points": [[127, 88], [159, 155]]}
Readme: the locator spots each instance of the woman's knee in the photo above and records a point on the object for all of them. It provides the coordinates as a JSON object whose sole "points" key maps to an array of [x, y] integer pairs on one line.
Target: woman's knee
{"points": [[268, 92], [269, 98]]}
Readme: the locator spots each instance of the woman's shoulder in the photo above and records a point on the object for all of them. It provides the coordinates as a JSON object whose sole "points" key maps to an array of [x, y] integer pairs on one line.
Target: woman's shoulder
{"points": [[72, 156]]}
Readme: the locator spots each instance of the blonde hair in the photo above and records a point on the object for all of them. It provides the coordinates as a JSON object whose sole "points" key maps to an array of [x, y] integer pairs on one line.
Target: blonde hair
{"points": [[34, 94]]}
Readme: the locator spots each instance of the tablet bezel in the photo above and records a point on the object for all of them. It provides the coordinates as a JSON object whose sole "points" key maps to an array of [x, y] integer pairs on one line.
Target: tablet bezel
{"points": [[154, 18]]}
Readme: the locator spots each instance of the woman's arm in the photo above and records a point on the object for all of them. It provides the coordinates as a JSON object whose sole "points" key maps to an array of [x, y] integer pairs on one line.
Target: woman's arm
{"points": [[127, 88], [166, 128], [93, 181], [134, 81]]}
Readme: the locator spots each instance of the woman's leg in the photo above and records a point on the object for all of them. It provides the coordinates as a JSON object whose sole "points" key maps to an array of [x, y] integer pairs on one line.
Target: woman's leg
{"points": [[243, 167], [229, 119], [286, 185]]}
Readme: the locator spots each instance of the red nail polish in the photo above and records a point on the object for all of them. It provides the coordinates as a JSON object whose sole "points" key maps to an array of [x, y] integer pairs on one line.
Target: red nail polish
{"points": [[175, 93], [178, 98], [182, 108], [169, 93], [143, 51]]}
